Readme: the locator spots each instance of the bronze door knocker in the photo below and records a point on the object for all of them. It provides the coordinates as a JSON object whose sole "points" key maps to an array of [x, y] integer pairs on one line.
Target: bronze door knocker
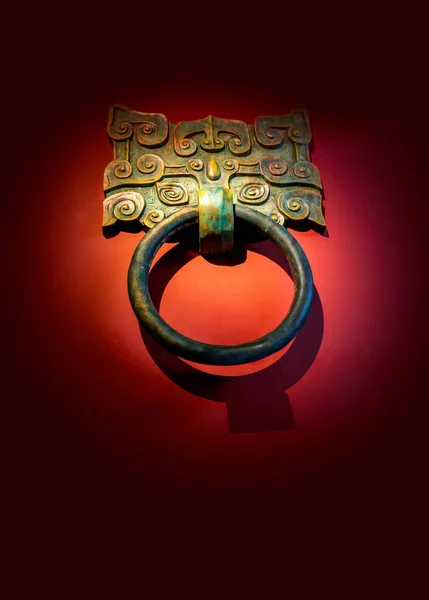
{"points": [[166, 177]]}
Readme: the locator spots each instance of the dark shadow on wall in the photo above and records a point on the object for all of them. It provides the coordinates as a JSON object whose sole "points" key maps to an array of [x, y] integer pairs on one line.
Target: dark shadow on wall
{"points": [[256, 402]]}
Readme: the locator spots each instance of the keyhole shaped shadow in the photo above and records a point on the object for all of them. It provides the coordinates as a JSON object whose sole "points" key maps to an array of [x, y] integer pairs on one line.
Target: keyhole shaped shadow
{"points": [[256, 402]]}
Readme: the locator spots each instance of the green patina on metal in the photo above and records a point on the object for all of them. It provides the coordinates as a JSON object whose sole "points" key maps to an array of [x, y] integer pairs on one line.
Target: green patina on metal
{"points": [[216, 220], [160, 167], [166, 176]]}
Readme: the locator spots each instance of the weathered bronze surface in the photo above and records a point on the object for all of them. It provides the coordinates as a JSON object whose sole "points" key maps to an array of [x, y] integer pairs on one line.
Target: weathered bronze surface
{"points": [[216, 220], [165, 176], [160, 167]]}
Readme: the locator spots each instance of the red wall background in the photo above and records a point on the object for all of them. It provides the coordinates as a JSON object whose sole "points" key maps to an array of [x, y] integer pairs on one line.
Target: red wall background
{"points": [[330, 428]]}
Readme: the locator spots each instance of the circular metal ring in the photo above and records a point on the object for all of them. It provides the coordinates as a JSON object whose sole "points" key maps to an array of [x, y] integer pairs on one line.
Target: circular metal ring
{"points": [[200, 352]]}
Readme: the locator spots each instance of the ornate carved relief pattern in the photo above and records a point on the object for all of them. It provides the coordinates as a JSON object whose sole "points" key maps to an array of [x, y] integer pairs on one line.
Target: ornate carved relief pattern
{"points": [[214, 130], [266, 165]]}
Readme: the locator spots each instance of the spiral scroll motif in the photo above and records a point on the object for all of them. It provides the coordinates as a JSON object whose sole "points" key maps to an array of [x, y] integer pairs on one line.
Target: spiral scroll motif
{"points": [[186, 147], [293, 207], [153, 217], [150, 129], [126, 210], [230, 165], [270, 131], [151, 166], [277, 166], [152, 132], [173, 193], [274, 168], [122, 169], [299, 133], [125, 206], [253, 193], [235, 145], [302, 170], [145, 130], [117, 169], [195, 165], [123, 131]]}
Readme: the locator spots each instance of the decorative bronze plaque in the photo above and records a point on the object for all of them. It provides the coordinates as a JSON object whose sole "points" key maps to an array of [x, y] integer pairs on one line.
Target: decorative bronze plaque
{"points": [[159, 167]]}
